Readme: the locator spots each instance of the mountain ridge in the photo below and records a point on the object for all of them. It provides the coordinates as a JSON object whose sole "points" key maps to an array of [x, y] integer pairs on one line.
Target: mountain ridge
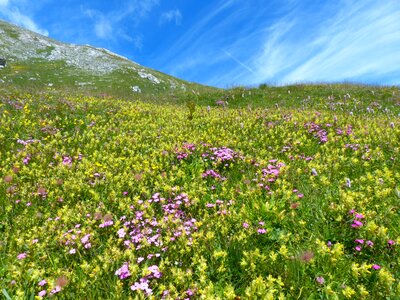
{"points": [[33, 58]]}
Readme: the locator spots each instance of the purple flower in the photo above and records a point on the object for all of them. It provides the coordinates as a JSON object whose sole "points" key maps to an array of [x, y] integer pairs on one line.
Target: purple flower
{"points": [[245, 225], [369, 243], [391, 242], [43, 282], [261, 231], [42, 293], [356, 224], [121, 233], [358, 248], [155, 271], [142, 285], [106, 224], [123, 272], [22, 256], [320, 279], [85, 239], [359, 216], [360, 241], [56, 290], [376, 267]]}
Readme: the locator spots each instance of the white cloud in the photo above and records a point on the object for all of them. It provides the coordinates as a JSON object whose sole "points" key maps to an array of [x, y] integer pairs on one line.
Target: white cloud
{"points": [[13, 14], [103, 28], [171, 16], [359, 40], [106, 25]]}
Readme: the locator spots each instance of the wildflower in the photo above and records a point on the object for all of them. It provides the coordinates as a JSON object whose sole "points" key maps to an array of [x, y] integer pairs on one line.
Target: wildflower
{"points": [[359, 216], [261, 231], [360, 241], [155, 271], [42, 293], [245, 225], [320, 279], [106, 224], [22, 256], [85, 239], [121, 233], [142, 285], [88, 246], [391, 242], [56, 290], [369, 243], [306, 256], [358, 248], [72, 251], [42, 283], [123, 272], [376, 267], [356, 224]]}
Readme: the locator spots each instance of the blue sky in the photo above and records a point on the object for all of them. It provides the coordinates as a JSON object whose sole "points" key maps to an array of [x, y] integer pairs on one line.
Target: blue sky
{"points": [[232, 42]]}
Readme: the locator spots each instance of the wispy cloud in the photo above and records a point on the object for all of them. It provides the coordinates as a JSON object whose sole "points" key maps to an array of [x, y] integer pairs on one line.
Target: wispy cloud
{"points": [[106, 25], [11, 12], [171, 16], [355, 41], [290, 41], [103, 28]]}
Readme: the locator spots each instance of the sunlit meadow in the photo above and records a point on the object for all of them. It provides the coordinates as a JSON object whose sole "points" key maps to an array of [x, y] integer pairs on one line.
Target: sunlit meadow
{"points": [[252, 194]]}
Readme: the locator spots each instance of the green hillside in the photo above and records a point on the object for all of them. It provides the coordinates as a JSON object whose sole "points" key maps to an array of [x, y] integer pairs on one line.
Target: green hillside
{"points": [[37, 62], [286, 192]]}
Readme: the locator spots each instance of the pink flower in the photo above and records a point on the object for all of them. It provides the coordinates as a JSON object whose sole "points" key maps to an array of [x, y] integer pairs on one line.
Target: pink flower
{"points": [[42, 293], [356, 224], [121, 233], [155, 271], [320, 279], [391, 242], [359, 216], [22, 256], [43, 282], [72, 251], [376, 267], [359, 241], [123, 272], [56, 290], [85, 239], [358, 248], [261, 231], [245, 225], [370, 244]]}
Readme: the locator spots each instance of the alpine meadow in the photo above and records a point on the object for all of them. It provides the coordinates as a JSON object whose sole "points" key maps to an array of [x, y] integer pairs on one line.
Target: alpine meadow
{"points": [[120, 182]]}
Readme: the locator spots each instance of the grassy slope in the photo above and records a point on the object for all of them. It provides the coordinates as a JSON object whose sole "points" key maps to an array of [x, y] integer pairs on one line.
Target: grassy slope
{"points": [[132, 146]]}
